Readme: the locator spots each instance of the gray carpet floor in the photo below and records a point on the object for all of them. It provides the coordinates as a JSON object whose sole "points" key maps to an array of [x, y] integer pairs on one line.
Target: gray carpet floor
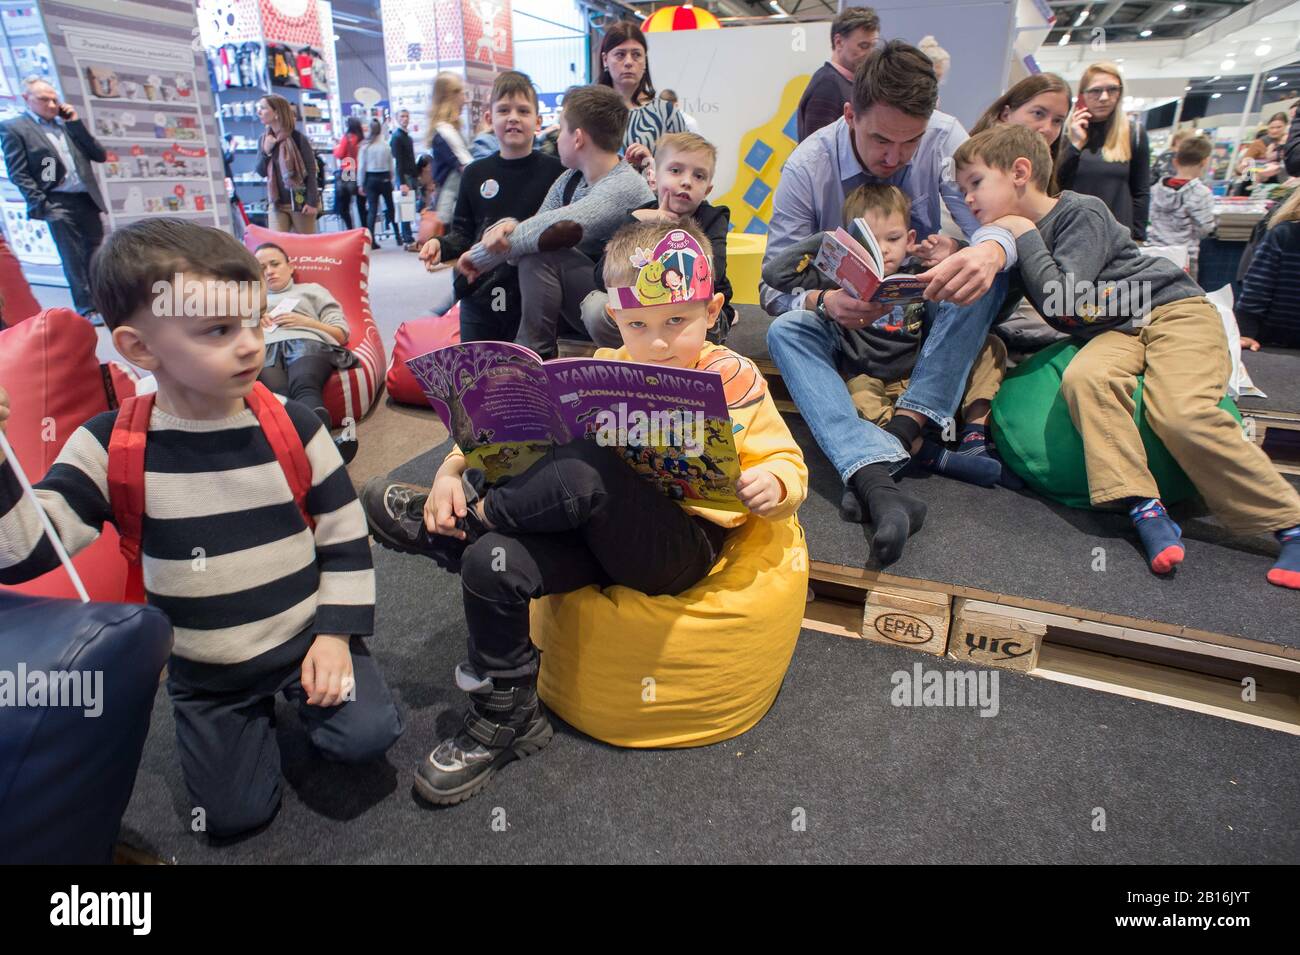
{"points": [[875, 782]]}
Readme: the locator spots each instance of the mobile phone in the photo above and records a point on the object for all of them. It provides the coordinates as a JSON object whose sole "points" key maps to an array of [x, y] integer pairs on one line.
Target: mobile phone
{"points": [[1078, 103]]}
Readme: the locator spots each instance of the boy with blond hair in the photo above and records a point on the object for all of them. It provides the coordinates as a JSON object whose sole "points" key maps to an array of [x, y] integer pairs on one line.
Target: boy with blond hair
{"points": [[684, 166], [580, 515]]}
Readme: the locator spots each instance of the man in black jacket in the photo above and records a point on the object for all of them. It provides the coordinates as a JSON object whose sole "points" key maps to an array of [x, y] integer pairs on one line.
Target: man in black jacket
{"points": [[49, 154], [407, 175], [853, 36]]}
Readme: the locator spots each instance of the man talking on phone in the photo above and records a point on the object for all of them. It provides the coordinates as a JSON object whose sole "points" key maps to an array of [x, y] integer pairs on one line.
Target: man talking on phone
{"points": [[49, 153]]}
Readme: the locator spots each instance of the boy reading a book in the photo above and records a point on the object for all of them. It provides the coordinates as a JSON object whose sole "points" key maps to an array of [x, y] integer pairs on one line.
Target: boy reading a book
{"points": [[684, 166], [286, 589], [580, 515], [557, 248], [508, 184], [879, 357], [1142, 315]]}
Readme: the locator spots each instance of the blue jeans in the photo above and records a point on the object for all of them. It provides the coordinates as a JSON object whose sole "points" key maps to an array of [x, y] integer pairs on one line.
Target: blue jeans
{"points": [[807, 348]]}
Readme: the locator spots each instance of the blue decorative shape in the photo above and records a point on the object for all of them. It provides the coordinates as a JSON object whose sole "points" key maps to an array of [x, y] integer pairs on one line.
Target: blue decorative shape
{"points": [[757, 194], [756, 226], [758, 155], [791, 128]]}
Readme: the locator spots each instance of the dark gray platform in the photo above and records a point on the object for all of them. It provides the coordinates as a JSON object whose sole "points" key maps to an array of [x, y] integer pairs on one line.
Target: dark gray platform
{"points": [[1021, 544], [1276, 372], [877, 783]]}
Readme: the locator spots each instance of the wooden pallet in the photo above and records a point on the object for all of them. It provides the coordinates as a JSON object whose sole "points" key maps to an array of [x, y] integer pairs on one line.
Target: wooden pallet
{"points": [[1278, 433], [1144, 659]]}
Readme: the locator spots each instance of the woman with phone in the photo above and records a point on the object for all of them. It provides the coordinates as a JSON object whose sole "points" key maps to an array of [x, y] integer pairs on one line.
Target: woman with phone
{"points": [[1105, 156]]}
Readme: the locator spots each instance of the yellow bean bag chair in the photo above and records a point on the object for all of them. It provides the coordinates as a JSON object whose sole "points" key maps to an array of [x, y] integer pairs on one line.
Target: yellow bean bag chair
{"points": [[689, 670]]}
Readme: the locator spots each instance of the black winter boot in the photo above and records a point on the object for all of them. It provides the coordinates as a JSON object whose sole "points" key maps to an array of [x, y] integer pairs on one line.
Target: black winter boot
{"points": [[503, 723]]}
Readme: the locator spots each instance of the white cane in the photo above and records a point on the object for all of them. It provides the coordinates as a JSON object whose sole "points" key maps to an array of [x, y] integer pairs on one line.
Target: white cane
{"points": [[8, 450]]}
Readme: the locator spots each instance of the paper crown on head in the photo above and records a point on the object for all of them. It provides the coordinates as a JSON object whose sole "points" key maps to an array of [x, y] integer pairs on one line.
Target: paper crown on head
{"points": [[676, 270]]}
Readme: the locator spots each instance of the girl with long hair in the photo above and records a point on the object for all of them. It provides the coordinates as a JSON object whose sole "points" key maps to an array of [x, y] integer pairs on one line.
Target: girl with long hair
{"points": [[1105, 156], [375, 167], [447, 141], [288, 162]]}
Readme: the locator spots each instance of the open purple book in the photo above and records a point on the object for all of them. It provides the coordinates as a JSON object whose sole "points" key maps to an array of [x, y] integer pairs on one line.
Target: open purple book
{"points": [[505, 408]]}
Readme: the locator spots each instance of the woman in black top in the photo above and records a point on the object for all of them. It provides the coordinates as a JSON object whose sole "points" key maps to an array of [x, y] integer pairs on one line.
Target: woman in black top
{"points": [[1105, 157]]}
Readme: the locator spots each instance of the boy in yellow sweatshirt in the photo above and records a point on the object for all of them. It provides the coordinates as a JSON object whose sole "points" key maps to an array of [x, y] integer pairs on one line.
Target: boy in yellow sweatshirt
{"points": [[581, 515]]}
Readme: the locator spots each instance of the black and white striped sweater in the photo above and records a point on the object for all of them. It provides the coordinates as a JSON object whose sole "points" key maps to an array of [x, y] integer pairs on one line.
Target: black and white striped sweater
{"points": [[226, 552]]}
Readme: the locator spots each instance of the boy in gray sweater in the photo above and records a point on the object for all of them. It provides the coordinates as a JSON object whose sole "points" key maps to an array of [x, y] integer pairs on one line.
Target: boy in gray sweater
{"points": [[556, 249], [1140, 315], [1182, 206]]}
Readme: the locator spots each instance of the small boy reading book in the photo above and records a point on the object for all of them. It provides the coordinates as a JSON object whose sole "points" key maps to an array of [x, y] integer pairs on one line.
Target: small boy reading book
{"points": [[684, 164], [591, 199], [581, 514], [1139, 315], [878, 359], [214, 466], [507, 185], [1182, 206]]}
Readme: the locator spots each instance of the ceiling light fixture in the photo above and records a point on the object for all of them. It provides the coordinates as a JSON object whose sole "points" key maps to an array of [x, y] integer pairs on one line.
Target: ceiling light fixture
{"points": [[1263, 49], [1215, 95], [1179, 7], [1145, 33], [1227, 64], [1063, 40], [1082, 16]]}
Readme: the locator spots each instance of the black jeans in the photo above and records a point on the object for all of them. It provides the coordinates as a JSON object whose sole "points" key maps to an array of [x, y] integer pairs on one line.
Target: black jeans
{"points": [[298, 369], [77, 230], [377, 185], [229, 752], [480, 324], [578, 516], [345, 193], [414, 185]]}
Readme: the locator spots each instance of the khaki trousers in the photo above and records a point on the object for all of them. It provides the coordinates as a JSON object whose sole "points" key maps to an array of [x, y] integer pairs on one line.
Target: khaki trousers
{"points": [[282, 220], [875, 399], [1183, 358]]}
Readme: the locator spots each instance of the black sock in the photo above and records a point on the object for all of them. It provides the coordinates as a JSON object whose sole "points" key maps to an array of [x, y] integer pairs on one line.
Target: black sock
{"points": [[905, 430], [894, 514]]}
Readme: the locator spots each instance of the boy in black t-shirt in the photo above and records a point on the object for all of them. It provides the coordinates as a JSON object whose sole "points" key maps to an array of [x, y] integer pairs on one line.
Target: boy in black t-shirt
{"points": [[510, 184]]}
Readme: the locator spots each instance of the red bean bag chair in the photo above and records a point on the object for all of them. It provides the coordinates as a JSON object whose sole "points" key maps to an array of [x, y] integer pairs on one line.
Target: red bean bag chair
{"points": [[19, 302], [418, 338], [55, 385], [339, 261]]}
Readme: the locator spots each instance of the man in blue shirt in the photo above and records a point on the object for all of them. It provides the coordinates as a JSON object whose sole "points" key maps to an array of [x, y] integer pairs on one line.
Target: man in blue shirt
{"points": [[49, 153], [890, 133]]}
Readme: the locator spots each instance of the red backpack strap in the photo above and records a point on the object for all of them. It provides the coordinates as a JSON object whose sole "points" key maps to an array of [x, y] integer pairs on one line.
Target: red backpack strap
{"points": [[126, 484], [285, 442]]}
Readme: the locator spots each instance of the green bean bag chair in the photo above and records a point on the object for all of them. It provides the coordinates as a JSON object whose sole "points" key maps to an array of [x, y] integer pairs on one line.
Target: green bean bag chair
{"points": [[1036, 438]]}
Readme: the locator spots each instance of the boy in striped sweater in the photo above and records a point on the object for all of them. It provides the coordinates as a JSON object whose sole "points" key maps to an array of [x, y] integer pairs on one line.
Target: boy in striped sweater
{"points": [[267, 594]]}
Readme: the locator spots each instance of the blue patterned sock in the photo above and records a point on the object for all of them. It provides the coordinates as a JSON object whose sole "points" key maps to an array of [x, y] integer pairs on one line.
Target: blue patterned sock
{"points": [[974, 466], [1161, 537], [1286, 572]]}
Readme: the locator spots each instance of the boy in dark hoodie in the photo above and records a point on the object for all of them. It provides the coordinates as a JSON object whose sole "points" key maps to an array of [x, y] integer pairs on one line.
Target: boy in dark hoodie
{"points": [[684, 165], [1182, 206]]}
